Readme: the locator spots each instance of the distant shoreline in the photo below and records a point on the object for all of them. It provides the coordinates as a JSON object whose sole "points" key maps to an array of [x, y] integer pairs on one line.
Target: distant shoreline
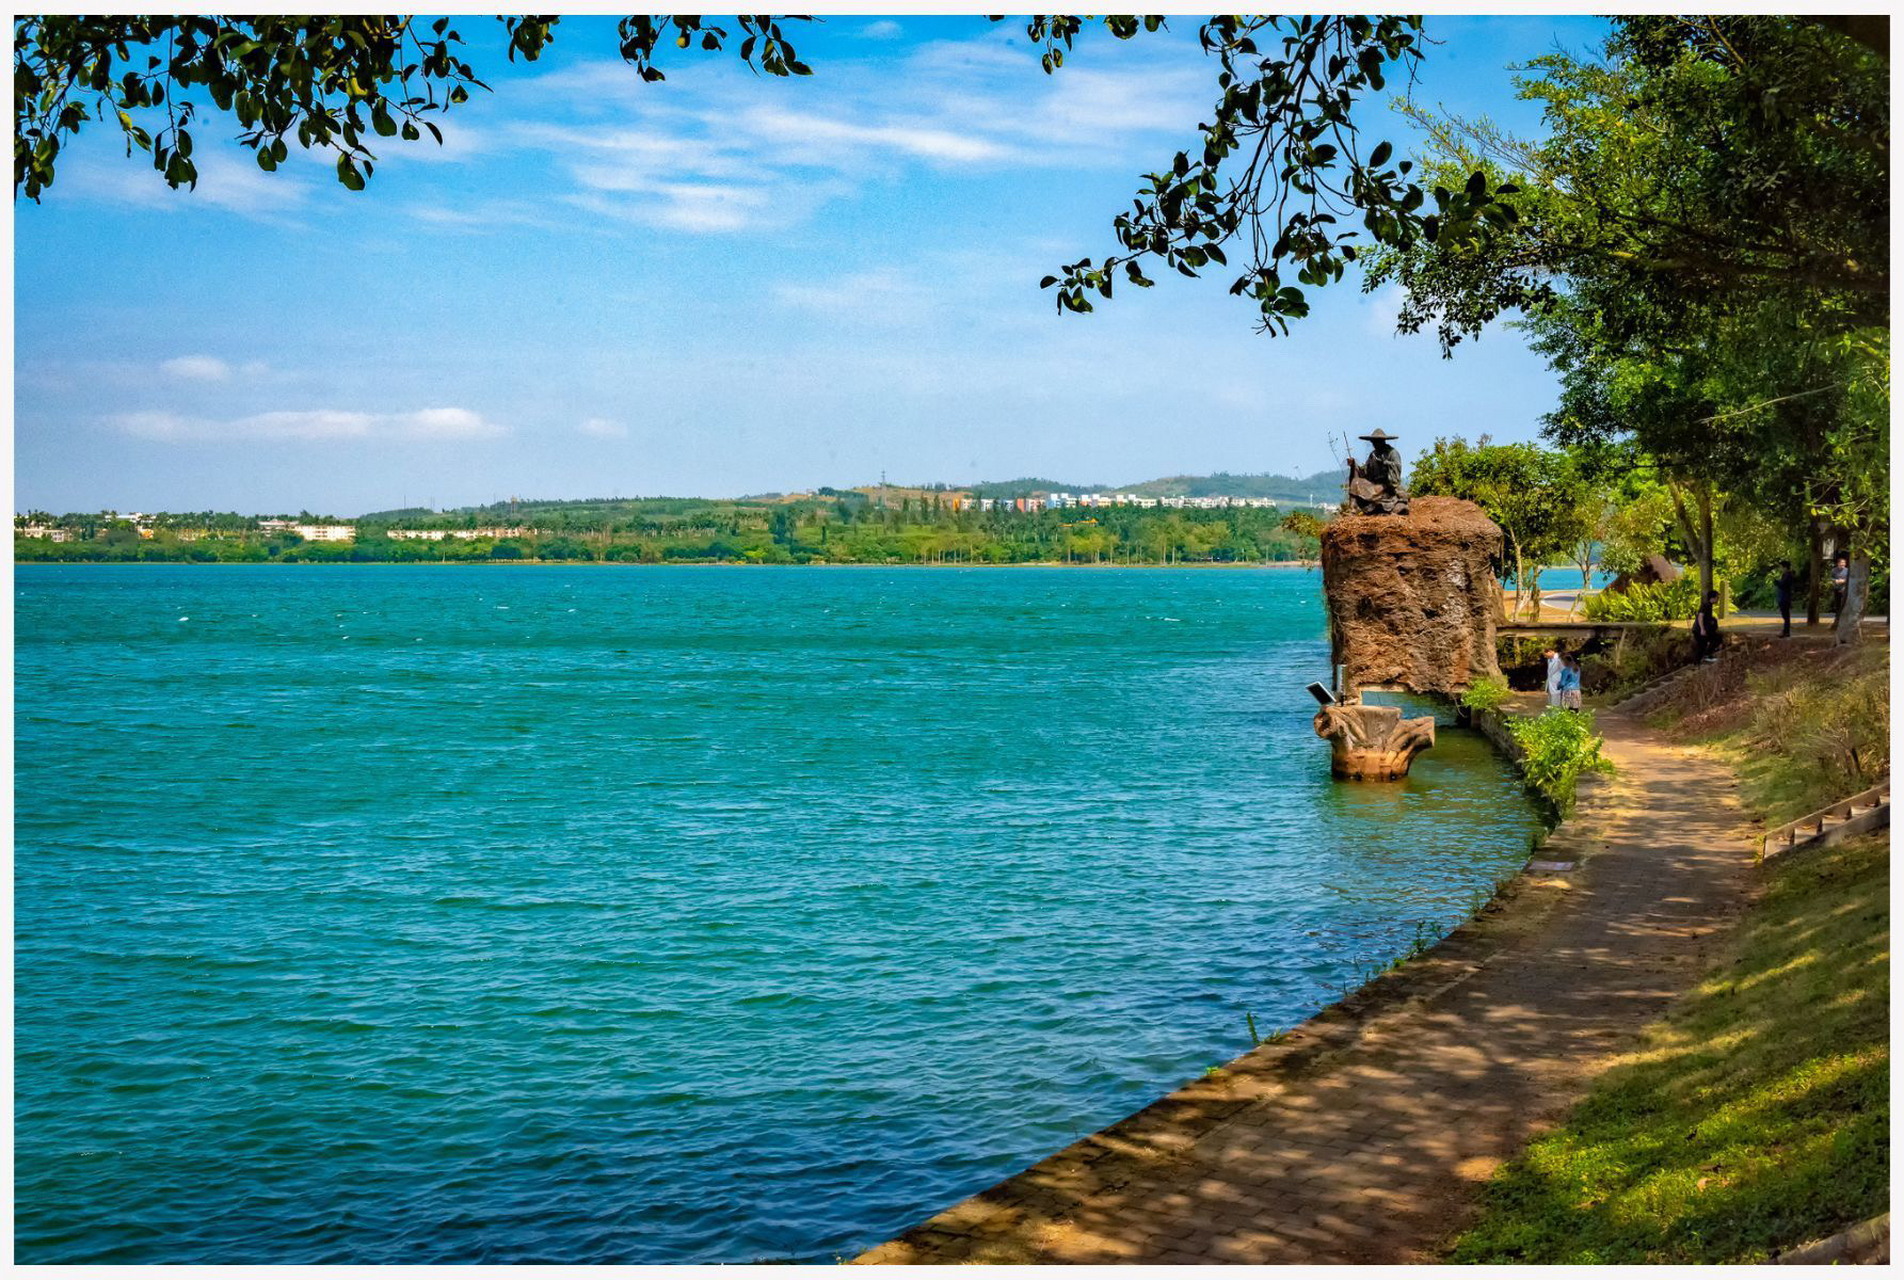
{"points": [[621, 564]]}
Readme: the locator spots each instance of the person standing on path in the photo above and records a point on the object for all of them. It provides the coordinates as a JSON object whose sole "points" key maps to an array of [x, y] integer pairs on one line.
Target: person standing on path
{"points": [[1570, 682], [1787, 580], [1705, 630], [1553, 676], [1840, 579]]}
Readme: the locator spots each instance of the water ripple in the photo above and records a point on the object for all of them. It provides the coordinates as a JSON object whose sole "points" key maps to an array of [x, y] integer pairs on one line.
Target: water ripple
{"points": [[670, 915]]}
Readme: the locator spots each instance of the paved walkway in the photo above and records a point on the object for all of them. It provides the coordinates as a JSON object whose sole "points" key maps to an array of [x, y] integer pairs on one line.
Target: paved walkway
{"points": [[1364, 1135]]}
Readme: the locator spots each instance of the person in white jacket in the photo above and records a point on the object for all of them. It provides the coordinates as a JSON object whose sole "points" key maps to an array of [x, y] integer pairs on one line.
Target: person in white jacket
{"points": [[1553, 676]]}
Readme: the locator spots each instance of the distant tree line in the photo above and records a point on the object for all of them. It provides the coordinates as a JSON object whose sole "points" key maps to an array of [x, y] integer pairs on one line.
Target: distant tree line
{"points": [[846, 529]]}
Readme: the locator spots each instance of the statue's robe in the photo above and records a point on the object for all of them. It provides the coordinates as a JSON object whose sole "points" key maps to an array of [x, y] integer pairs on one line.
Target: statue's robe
{"points": [[1384, 467], [1375, 486]]}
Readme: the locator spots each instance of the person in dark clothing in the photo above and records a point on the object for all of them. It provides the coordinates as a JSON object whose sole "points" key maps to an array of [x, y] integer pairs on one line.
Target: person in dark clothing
{"points": [[1787, 580], [1840, 579], [1705, 630]]}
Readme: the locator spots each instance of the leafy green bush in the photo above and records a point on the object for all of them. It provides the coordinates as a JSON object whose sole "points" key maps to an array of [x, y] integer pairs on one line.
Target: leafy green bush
{"points": [[1559, 746], [1486, 694], [1645, 602]]}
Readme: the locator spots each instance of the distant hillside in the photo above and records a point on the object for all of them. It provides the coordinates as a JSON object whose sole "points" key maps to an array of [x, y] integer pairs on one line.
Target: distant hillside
{"points": [[528, 510], [1025, 487], [1322, 486]]}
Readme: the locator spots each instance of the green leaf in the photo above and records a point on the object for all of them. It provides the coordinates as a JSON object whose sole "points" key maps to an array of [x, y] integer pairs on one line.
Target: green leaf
{"points": [[348, 175]]}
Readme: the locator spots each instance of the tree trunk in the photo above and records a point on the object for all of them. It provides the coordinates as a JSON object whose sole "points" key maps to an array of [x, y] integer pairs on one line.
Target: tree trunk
{"points": [[1815, 588], [1697, 530], [1857, 586], [1705, 543], [1520, 579], [1586, 577]]}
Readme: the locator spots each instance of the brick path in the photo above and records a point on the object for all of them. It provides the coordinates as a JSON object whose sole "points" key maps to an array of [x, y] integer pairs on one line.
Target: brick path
{"points": [[1363, 1136]]}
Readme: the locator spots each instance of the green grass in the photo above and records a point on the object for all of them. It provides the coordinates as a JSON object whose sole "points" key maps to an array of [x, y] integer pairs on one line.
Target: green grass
{"points": [[1801, 734], [1754, 1117], [1812, 742]]}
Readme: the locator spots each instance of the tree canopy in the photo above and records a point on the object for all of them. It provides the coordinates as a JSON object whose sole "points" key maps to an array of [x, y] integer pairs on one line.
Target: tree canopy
{"points": [[332, 83], [1702, 254], [1536, 495], [1701, 164]]}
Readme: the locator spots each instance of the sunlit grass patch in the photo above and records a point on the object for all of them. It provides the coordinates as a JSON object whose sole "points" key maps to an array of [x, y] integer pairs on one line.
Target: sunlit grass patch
{"points": [[1754, 1117]]}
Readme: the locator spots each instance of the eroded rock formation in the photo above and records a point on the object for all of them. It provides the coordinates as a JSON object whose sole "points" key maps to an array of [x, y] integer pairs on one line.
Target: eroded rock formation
{"points": [[1370, 742], [1412, 598]]}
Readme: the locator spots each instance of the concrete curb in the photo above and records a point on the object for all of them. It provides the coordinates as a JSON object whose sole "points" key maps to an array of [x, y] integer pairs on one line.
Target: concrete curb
{"points": [[1868, 1243]]}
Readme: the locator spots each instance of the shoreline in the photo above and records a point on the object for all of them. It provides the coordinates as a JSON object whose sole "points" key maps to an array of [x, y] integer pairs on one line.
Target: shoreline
{"points": [[626, 564], [1403, 1093]]}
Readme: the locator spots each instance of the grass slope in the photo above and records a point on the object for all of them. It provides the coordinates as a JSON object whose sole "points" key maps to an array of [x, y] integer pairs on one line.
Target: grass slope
{"points": [[1753, 1118]]}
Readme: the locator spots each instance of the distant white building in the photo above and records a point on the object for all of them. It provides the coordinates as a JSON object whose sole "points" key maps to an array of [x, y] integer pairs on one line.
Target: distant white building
{"points": [[437, 535], [50, 532], [325, 532]]}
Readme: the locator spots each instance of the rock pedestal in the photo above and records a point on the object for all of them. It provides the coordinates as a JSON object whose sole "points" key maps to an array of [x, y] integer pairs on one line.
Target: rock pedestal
{"points": [[1412, 598], [1373, 743]]}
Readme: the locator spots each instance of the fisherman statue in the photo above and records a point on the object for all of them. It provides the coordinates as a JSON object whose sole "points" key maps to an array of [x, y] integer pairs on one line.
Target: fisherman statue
{"points": [[1375, 486]]}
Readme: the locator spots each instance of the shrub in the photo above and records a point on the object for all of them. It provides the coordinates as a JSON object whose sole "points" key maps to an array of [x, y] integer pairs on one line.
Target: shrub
{"points": [[1558, 747], [1485, 694], [1645, 602], [1817, 739]]}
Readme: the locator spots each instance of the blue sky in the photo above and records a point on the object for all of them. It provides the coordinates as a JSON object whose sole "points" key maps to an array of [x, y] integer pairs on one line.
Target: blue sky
{"points": [[716, 285]]}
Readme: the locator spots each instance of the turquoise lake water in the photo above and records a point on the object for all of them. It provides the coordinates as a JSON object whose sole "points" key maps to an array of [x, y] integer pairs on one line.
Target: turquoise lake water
{"points": [[652, 915]]}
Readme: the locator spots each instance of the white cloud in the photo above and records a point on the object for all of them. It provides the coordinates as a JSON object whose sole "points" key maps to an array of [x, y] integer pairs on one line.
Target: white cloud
{"points": [[309, 424], [446, 423], [198, 368], [884, 29], [680, 207], [606, 428], [863, 290], [820, 138], [1382, 309], [482, 215], [460, 143], [228, 179], [203, 368], [715, 151]]}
